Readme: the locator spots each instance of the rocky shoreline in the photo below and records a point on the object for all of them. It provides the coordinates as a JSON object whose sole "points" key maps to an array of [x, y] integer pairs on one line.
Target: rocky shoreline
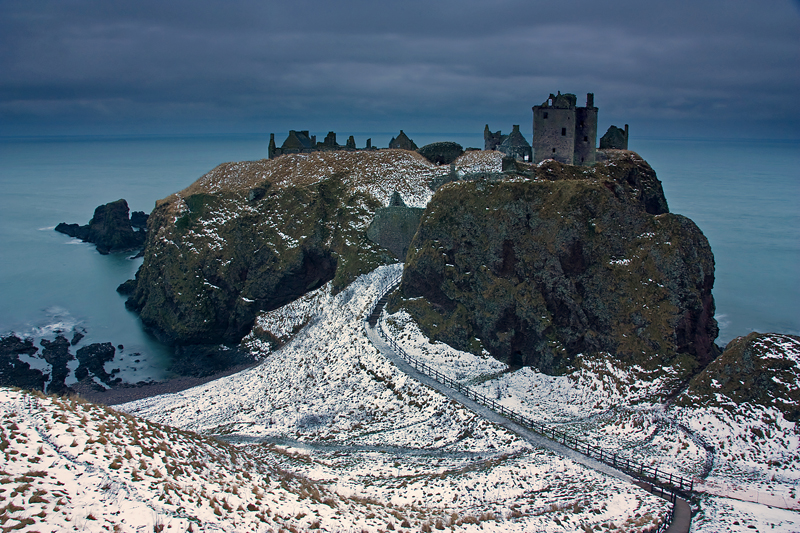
{"points": [[129, 393], [94, 383]]}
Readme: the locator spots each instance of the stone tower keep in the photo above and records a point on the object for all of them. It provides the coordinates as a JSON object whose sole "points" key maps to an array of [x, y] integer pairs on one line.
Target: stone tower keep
{"points": [[565, 132]]}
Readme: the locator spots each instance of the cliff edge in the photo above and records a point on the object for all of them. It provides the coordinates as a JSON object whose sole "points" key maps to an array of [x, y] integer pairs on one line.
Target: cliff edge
{"points": [[559, 260], [252, 236]]}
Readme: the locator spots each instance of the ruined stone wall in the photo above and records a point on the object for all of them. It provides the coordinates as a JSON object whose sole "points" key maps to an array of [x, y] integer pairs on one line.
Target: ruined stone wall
{"points": [[585, 135], [553, 134]]}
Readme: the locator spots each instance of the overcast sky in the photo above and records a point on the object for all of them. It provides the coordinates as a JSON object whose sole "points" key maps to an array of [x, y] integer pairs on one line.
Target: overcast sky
{"points": [[677, 68]]}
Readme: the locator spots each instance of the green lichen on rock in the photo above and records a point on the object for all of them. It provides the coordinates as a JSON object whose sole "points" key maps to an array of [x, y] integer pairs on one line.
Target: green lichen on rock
{"points": [[559, 261], [758, 369], [214, 260]]}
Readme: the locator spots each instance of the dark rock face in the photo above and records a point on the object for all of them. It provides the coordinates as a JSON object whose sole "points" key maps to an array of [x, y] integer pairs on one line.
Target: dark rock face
{"points": [[56, 352], [13, 371], [755, 369], [92, 358], [574, 261], [111, 229], [127, 287], [205, 360], [441, 153], [393, 228], [214, 261]]}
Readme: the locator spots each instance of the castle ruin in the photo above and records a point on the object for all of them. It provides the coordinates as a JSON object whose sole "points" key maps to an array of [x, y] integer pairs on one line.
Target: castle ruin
{"points": [[300, 142], [615, 139], [565, 132], [513, 145]]}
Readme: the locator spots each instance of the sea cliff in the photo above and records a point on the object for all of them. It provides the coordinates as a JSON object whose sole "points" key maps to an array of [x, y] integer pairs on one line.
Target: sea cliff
{"points": [[557, 260]]}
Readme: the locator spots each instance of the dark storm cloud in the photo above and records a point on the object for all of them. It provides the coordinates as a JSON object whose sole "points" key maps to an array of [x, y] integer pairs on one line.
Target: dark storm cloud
{"points": [[201, 66]]}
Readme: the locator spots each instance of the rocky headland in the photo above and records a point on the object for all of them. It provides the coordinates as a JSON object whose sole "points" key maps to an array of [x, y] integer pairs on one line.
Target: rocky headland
{"points": [[552, 261], [250, 237], [534, 264]]}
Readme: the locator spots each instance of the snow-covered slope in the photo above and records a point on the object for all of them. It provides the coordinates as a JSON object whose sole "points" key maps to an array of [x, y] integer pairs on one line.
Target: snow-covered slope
{"points": [[377, 173], [73, 466], [339, 413], [745, 406], [753, 448]]}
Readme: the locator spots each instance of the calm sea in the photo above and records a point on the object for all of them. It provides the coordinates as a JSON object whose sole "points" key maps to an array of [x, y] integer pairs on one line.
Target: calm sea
{"points": [[743, 195]]}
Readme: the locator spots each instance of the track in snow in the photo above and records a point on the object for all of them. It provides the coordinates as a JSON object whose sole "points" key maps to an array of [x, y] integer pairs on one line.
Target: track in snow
{"points": [[681, 515]]}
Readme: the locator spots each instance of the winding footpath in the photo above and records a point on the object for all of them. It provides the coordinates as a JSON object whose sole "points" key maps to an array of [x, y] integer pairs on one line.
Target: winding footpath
{"points": [[681, 515]]}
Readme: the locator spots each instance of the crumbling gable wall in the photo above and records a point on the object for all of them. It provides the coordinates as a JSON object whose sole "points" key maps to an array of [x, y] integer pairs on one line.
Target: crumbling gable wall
{"points": [[492, 140], [402, 142], [615, 139]]}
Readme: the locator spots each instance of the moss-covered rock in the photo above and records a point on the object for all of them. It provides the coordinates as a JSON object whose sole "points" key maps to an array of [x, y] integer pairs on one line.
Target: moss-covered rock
{"points": [[760, 368], [563, 260], [252, 236], [215, 260]]}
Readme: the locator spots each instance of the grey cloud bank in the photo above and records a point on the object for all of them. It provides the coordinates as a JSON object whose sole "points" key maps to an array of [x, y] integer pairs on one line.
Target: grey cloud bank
{"points": [[674, 69]]}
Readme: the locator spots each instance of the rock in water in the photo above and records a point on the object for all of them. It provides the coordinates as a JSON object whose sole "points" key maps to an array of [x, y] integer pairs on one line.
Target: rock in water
{"points": [[92, 359], [15, 372], [110, 228], [56, 352], [139, 219], [572, 261]]}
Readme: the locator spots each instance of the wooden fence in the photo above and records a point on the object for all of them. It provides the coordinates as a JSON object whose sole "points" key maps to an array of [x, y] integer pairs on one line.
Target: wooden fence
{"points": [[665, 485]]}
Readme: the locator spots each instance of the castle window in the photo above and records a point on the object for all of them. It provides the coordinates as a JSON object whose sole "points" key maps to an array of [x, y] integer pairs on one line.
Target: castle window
{"points": [[554, 150], [563, 132], [545, 115], [585, 139]]}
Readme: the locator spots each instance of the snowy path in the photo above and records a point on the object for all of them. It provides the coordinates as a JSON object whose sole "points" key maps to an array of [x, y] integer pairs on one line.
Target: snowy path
{"points": [[485, 412], [351, 448], [681, 518], [682, 515]]}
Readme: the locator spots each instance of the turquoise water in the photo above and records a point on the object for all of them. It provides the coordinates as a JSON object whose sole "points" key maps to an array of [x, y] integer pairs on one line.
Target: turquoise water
{"points": [[49, 281], [742, 195]]}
